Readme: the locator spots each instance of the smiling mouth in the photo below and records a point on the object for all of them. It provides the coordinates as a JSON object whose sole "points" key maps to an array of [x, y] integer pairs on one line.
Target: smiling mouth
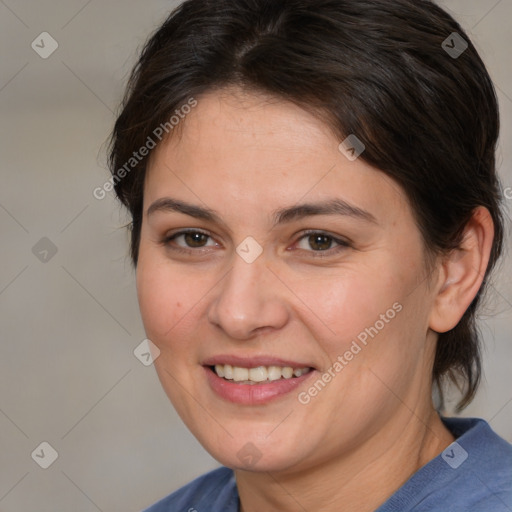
{"points": [[258, 375]]}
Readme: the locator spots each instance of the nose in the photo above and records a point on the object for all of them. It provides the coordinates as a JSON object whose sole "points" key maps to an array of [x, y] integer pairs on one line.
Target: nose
{"points": [[250, 300]]}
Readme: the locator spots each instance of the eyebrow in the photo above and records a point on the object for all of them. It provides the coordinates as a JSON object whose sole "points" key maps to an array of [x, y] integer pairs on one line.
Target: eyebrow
{"points": [[281, 216]]}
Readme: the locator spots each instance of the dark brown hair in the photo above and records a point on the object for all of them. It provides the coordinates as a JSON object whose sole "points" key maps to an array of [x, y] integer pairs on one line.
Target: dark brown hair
{"points": [[379, 69]]}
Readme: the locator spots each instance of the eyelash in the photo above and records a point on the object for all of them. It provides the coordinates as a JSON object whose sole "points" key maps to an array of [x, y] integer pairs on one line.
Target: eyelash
{"points": [[342, 244]]}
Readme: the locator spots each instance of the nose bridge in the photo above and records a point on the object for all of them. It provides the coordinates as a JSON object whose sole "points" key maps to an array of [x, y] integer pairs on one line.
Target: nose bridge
{"points": [[248, 299]]}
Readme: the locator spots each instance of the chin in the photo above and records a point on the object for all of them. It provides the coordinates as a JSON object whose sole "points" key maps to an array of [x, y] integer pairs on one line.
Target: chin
{"points": [[241, 453]]}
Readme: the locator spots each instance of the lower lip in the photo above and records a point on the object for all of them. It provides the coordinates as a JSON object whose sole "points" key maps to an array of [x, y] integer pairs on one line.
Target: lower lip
{"points": [[253, 394]]}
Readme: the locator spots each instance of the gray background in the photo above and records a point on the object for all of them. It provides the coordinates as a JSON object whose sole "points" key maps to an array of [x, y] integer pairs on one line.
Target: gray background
{"points": [[68, 375]]}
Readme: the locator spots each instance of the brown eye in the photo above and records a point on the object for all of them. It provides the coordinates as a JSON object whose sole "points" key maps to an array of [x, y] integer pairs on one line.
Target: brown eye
{"points": [[316, 242], [187, 241], [195, 239], [320, 242]]}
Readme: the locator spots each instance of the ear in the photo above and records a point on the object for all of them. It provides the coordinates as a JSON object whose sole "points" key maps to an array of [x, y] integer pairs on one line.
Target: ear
{"points": [[462, 272]]}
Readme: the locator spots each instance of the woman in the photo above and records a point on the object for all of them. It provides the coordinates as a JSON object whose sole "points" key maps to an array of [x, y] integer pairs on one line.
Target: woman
{"points": [[315, 214]]}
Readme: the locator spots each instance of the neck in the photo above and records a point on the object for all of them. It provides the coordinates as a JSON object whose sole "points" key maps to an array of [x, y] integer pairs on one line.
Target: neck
{"points": [[359, 481]]}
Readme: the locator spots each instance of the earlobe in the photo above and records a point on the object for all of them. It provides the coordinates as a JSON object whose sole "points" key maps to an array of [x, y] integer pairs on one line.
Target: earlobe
{"points": [[463, 272]]}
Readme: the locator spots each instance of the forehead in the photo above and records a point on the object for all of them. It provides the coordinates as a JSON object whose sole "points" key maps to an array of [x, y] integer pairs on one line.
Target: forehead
{"points": [[248, 150]]}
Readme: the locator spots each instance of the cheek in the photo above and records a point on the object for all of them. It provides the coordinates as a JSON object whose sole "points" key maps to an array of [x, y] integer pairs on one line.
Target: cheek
{"points": [[374, 322], [166, 300], [352, 301]]}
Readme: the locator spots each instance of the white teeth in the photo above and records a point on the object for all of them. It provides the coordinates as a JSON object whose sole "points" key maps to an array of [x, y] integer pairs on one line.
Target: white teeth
{"points": [[287, 372], [274, 372], [258, 374], [240, 374], [228, 371]]}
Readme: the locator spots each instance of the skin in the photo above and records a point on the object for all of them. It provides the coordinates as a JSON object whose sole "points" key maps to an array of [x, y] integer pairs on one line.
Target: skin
{"points": [[246, 155]]}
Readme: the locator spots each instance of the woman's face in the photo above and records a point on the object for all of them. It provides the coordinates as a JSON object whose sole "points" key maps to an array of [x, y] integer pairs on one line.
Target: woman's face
{"points": [[298, 257]]}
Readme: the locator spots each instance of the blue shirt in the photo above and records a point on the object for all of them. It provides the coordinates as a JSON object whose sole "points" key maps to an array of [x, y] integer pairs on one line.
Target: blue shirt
{"points": [[474, 474]]}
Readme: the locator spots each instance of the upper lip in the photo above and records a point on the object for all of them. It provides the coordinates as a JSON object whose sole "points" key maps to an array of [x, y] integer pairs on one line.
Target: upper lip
{"points": [[253, 361]]}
